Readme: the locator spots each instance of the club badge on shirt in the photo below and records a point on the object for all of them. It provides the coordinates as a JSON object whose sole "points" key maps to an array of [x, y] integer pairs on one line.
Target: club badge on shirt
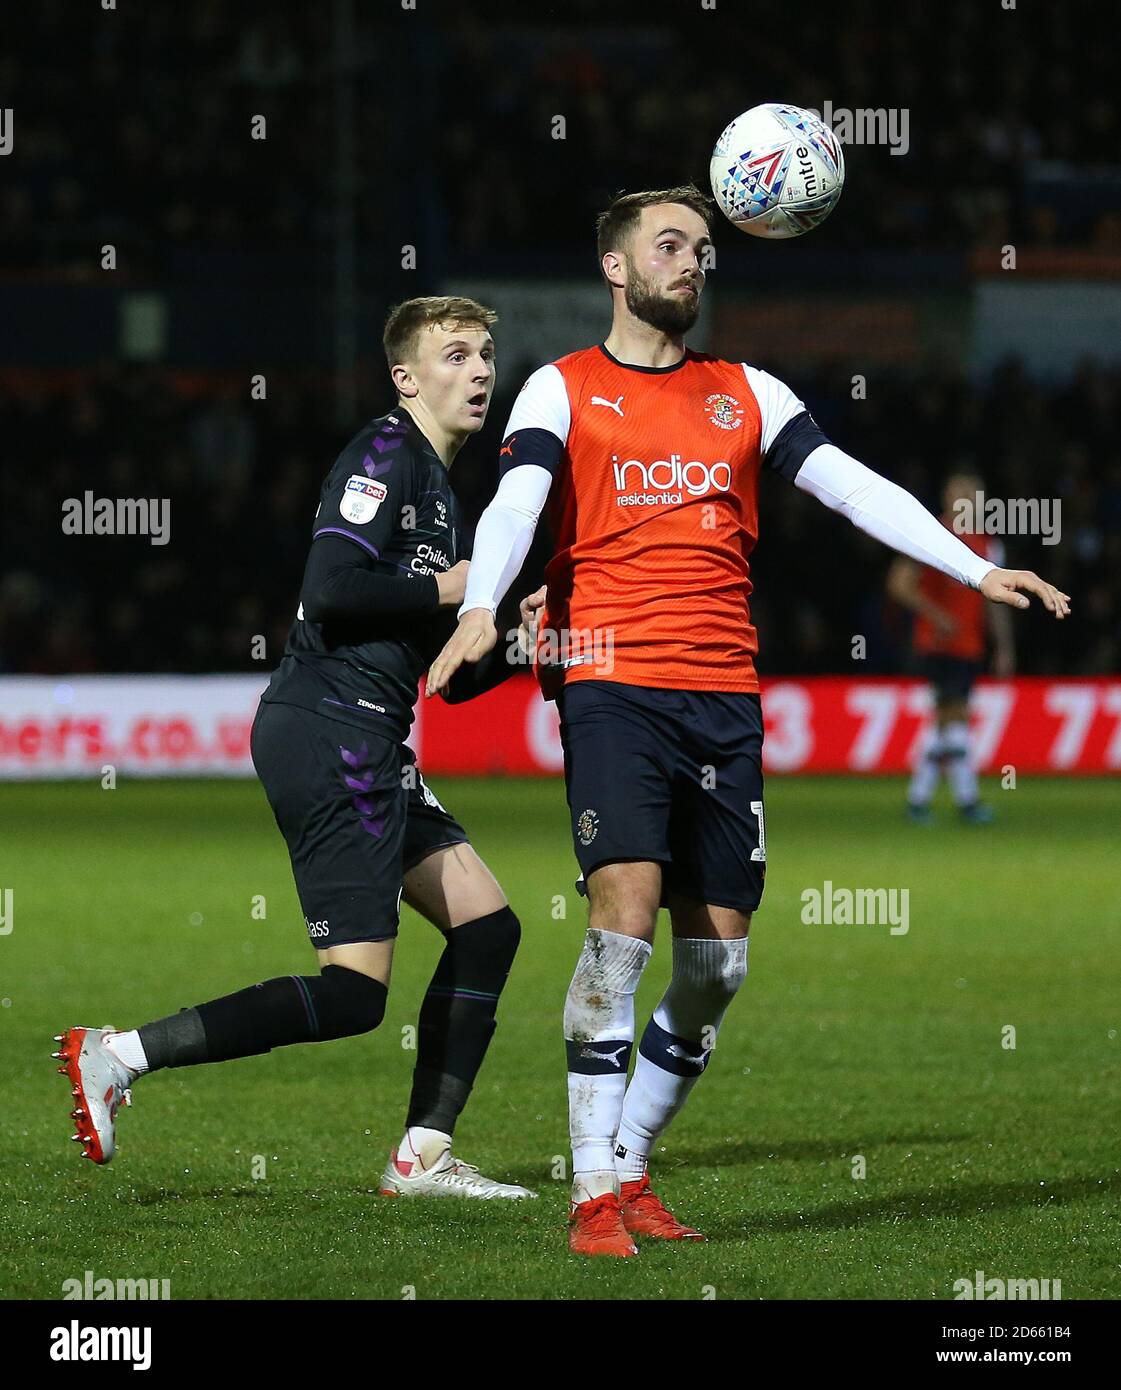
{"points": [[361, 499]]}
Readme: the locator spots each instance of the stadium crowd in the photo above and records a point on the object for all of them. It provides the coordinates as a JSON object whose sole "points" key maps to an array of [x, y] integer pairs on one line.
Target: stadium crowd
{"points": [[243, 480], [151, 148]]}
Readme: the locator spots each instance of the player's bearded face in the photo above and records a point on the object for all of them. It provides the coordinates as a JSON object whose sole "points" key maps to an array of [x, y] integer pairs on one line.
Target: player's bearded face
{"points": [[648, 300]]}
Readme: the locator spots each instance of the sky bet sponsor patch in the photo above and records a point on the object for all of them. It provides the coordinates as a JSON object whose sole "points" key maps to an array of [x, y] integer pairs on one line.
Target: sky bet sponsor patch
{"points": [[361, 499]]}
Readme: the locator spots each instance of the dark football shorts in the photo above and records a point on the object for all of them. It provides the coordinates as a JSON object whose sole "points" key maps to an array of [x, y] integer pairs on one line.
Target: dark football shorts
{"points": [[355, 814], [951, 676], [673, 776]]}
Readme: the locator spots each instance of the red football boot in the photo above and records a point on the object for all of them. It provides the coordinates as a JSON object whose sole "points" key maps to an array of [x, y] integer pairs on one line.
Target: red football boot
{"points": [[595, 1227], [645, 1214]]}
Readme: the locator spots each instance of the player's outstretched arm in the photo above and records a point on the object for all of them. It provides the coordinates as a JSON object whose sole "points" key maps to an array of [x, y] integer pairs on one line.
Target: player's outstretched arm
{"points": [[476, 678], [502, 541], [892, 515]]}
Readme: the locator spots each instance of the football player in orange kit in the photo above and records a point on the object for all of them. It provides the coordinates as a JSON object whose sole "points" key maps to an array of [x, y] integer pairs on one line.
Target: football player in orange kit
{"points": [[948, 639], [648, 455]]}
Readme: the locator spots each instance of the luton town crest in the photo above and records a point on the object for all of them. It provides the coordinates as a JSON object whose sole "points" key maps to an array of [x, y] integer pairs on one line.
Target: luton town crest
{"points": [[724, 411]]}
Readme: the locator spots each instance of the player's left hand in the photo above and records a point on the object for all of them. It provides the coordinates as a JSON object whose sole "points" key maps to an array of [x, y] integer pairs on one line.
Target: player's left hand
{"points": [[1013, 586], [472, 639], [530, 610]]}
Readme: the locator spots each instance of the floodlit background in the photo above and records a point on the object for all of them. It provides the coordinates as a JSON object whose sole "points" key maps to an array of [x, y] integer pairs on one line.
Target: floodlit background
{"points": [[400, 135]]}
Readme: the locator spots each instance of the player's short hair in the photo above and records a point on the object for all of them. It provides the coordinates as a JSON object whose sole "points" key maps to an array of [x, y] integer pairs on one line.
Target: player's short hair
{"points": [[620, 218], [407, 320]]}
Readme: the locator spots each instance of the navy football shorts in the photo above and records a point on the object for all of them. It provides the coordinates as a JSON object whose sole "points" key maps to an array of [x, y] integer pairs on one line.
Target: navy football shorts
{"points": [[673, 776], [951, 676], [355, 814]]}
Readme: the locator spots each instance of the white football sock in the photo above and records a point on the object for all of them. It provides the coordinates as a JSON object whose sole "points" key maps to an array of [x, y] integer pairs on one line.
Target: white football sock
{"points": [[128, 1049], [677, 1044], [422, 1148], [599, 1032], [928, 769], [960, 772]]}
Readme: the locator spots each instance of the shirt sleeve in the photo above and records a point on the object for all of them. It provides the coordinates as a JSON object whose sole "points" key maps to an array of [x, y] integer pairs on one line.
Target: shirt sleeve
{"points": [[364, 497], [540, 420], [504, 535], [341, 586], [888, 513], [789, 432], [532, 448]]}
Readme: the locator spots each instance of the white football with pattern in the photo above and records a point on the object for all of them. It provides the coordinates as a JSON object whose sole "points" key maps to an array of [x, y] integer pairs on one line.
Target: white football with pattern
{"points": [[777, 171]]}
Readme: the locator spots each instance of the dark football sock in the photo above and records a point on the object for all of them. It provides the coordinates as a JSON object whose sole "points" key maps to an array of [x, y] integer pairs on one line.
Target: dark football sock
{"points": [[457, 1017], [291, 1009]]}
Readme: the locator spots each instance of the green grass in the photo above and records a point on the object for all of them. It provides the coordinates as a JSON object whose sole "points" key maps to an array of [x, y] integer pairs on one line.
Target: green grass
{"points": [[845, 1041]]}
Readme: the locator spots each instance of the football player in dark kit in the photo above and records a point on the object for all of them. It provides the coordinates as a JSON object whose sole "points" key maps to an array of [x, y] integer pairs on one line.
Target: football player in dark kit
{"points": [[384, 579]]}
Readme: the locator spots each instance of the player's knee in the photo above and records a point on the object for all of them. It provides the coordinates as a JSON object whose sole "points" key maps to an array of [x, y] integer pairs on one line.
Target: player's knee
{"points": [[600, 997], [347, 1002], [479, 955], [715, 976], [706, 977], [633, 923], [490, 942], [732, 972]]}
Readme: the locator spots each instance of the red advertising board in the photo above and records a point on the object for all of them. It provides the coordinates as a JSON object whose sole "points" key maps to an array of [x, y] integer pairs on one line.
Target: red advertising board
{"points": [[159, 726], [817, 724]]}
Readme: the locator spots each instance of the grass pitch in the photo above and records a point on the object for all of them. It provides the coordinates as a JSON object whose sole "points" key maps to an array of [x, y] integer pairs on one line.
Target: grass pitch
{"points": [[847, 1043]]}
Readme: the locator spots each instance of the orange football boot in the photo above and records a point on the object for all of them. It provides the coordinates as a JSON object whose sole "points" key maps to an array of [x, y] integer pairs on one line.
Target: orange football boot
{"points": [[645, 1214], [595, 1227]]}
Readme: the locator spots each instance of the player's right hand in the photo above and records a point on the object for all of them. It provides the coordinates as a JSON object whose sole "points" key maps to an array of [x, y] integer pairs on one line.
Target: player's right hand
{"points": [[452, 584], [472, 639]]}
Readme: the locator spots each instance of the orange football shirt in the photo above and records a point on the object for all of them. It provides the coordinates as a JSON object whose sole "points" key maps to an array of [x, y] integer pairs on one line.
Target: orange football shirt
{"points": [[654, 515]]}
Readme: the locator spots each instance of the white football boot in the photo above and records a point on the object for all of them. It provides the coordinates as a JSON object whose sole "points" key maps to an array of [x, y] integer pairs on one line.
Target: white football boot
{"points": [[99, 1083], [448, 1177]]}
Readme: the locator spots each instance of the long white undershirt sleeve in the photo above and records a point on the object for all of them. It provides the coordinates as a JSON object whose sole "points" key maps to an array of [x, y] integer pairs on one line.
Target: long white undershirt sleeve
{"points": [[533, 442], [888, 513], [504, 535]]}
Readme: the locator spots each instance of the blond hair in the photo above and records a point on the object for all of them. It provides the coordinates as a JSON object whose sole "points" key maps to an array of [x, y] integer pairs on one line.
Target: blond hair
{"points": [[406, 321]]}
